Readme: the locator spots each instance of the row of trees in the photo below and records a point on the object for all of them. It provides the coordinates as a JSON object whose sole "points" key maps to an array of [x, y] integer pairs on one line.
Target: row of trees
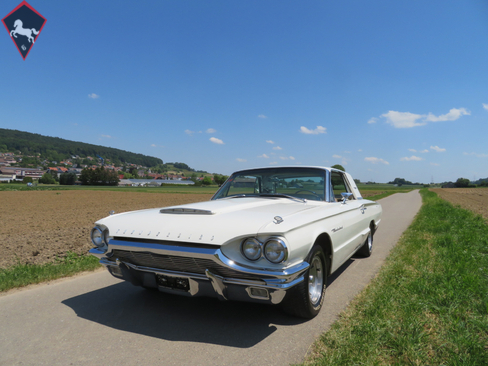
{"points": [[99, 177], [402, 181]]}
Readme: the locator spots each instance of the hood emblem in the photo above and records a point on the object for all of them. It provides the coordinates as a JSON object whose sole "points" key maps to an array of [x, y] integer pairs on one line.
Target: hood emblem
{"points": [[278, 220]]}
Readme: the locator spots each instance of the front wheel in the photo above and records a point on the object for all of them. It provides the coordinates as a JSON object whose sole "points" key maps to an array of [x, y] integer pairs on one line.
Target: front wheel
{"points": [[306, 299], [367, 248]]}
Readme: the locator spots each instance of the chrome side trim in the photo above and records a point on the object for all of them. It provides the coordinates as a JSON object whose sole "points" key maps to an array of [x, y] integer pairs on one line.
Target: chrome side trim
{"points": [[190, 211]]}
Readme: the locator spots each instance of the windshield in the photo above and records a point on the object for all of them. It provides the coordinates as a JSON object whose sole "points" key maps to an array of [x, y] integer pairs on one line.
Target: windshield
{"points": [[301, 183]]}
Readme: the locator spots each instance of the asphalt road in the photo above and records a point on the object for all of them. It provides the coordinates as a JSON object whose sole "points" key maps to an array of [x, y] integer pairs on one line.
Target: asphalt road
{"points": [[96, 319]]}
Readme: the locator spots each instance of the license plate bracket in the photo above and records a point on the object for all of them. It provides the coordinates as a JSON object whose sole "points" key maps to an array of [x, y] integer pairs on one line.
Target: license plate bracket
{"points": [[176, 283]]}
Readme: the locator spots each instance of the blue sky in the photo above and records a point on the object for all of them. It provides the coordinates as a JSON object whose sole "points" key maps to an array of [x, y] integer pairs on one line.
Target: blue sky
{"points": [[386, 88]]}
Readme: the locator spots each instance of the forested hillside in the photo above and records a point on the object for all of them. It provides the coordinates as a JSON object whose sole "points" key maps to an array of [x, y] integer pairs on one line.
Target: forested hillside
{"points": [[57, 149]]}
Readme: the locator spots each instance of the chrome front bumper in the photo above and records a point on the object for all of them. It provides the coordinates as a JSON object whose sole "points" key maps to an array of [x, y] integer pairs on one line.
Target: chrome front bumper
{"points": [[234, 282]]}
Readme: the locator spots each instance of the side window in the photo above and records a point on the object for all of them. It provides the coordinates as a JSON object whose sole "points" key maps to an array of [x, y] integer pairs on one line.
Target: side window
{"points": [[339, 185]]}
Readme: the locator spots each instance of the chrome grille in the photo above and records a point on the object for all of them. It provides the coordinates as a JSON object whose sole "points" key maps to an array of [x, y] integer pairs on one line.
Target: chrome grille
{"points": [[177, 263]]}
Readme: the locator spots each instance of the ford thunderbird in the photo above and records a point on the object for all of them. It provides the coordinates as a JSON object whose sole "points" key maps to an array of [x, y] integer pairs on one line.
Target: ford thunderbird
{"points": [[269, 235]]}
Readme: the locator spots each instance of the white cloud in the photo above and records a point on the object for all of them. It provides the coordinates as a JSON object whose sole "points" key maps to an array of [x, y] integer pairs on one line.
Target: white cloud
{"points": [[373, 120], [217, 141], [93, 96], [291, 158], [241, 160], [211, 130], [485, 106], [337, 156], [424, 151], [477, 155], [403, 119], [263, 156], [409, 120], [270, 141], [154, 145], [412, 150], [412, 158], [262, 116], [107, 136], [277, 148], [317, 131], [283, 158], [273, 163], [437, 148], [374, 160], [434, 164], [188, 132], [453, 115]]}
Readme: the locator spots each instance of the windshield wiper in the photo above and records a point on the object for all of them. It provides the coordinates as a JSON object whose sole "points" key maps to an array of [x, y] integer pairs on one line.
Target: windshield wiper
{"points": [[283, 195]]}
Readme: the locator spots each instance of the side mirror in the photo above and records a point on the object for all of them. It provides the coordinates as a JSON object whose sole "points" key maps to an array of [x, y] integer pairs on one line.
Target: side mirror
{"points": [[345, 197]]}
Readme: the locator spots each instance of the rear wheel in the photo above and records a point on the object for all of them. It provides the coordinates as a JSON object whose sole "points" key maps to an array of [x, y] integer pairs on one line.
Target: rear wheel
{"points": [[306, 299]]}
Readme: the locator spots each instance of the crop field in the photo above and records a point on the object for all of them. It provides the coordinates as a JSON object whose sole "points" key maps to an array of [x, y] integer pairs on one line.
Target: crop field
{"points": [[41, 226], [473, 199]]}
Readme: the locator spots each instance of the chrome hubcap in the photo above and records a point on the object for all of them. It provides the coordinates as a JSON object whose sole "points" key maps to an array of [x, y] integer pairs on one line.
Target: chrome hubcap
{"points": [[370, 242], [315, 281]]}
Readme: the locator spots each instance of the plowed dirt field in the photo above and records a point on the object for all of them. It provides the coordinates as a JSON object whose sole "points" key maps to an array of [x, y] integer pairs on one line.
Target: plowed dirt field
{"points": [[474, 199], [40, 226]]}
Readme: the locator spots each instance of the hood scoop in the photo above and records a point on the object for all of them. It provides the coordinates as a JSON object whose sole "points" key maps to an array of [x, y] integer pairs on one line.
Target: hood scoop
{"points": [[186, 211]]}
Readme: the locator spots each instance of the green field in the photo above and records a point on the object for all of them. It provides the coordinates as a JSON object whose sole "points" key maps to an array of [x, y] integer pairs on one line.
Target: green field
{"points": [[429, 303]]}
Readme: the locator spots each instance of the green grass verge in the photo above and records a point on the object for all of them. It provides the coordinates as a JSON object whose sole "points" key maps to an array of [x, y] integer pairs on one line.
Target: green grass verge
{"points": [[429, 303], [26, 274]]}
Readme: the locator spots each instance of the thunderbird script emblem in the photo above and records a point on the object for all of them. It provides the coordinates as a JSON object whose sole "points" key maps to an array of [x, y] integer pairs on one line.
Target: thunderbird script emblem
{"points": [[24, 24]]}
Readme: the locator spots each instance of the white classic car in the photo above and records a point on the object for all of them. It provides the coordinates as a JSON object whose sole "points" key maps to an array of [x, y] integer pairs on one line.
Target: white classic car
{"points": [[269, 235]]}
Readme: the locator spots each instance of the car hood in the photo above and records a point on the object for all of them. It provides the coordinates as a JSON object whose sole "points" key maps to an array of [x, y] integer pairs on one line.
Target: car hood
{"points": [[211, 222]]}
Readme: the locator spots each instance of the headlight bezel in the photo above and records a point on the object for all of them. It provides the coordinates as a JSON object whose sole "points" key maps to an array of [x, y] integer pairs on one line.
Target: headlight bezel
{"points": [[283, 256], [99, 236], [259, 246], [262, 249]]}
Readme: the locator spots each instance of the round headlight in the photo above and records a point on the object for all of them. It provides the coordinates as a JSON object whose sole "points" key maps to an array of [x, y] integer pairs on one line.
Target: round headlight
{"points": [[275, 250], [252, 249], [98, 237]]}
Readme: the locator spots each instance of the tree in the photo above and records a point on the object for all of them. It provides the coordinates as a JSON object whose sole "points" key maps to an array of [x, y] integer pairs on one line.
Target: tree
{"points": [[99, 177], [47, 178], [67, 179], [207, 181], [337, 166], [400, 182], [220, 179], [462, 182], [54, 175], [27, 180]]}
